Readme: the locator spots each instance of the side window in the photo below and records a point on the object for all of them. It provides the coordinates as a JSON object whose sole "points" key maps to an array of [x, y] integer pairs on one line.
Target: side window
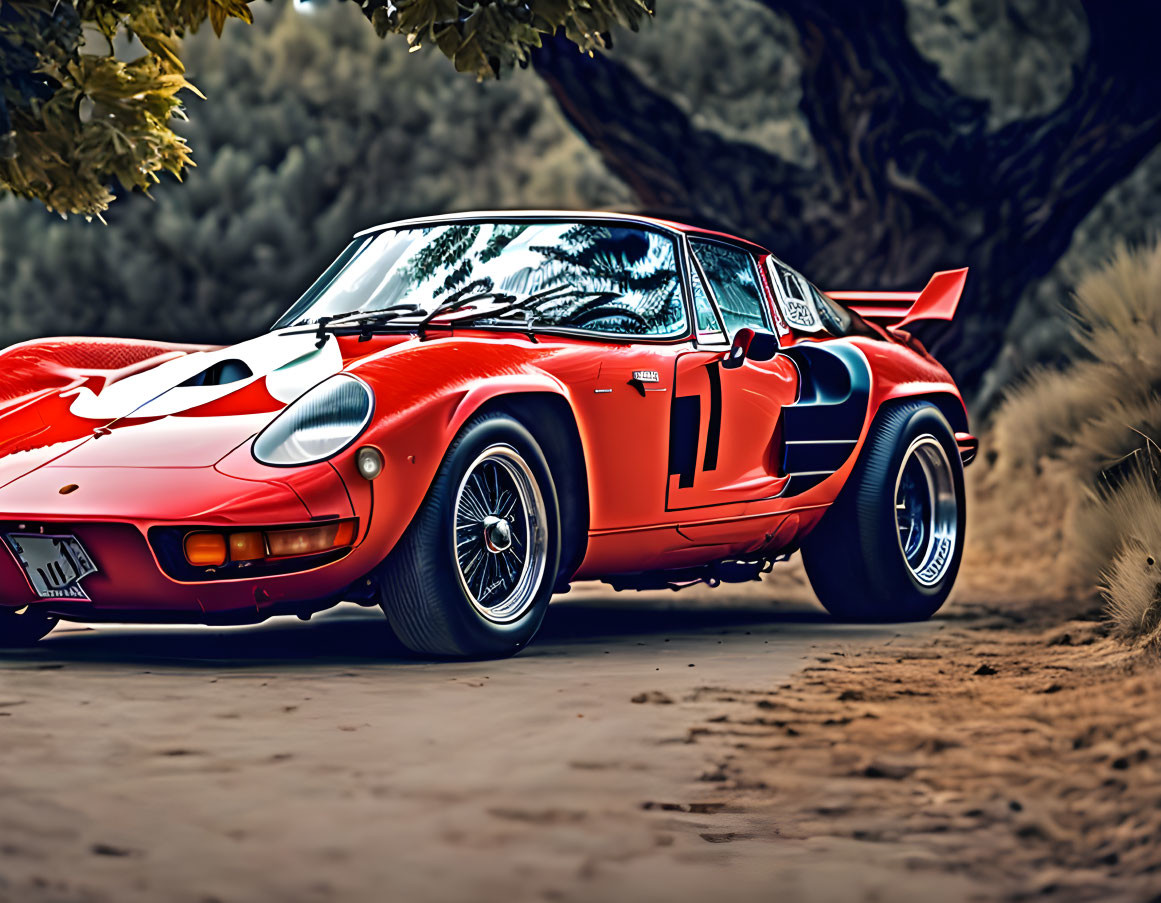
{"points": [[707, 321], [794, 295], [734, 281], [835, 318]]}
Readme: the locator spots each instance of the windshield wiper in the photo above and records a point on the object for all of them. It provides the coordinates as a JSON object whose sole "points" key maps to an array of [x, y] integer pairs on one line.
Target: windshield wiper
{"points": [[362, 323], [505, 304]]}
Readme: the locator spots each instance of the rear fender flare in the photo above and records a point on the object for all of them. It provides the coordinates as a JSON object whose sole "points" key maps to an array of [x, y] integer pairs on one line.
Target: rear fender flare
{"points": [[943, 395]]}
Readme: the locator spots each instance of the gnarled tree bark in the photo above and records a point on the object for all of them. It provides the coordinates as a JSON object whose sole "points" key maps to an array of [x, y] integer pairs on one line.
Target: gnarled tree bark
{"points": [[909, 178]]}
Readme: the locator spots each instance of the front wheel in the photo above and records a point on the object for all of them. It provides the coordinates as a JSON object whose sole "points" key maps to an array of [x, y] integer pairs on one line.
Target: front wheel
{"points": [[473, 574], [890, 546], [25, 628]]}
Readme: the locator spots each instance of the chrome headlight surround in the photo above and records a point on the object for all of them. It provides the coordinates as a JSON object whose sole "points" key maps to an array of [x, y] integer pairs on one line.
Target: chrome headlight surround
{"points": [[318, 425]]}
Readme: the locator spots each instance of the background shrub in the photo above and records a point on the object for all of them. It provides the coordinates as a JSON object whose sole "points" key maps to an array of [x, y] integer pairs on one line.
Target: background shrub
{"points": [[313, 129], [1082, 441]]}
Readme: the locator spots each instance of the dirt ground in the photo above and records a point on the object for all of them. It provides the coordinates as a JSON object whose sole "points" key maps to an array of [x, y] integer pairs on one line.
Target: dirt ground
{"points": [[1028, 758], [729, 744], [295, 762]]}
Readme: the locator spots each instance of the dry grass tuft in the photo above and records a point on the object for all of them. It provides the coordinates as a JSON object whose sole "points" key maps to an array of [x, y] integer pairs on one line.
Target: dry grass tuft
{"points": [[1118, 309], [1082, 438], [1114, 437], [1041, 414], [1126, 529], [1132, 590]]}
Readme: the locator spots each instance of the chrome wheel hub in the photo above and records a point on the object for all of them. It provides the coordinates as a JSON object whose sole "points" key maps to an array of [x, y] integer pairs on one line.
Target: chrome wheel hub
{"points": [[926, 510], [500, 536], [497, 534]]}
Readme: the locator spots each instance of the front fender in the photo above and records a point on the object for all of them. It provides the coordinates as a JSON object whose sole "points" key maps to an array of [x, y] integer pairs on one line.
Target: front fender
{"points": [[515, 384], [424, 395]]}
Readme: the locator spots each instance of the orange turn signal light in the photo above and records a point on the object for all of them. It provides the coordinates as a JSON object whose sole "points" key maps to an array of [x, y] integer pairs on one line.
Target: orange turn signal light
{"points": [[247, 546], [206, 549], [310, 540]]}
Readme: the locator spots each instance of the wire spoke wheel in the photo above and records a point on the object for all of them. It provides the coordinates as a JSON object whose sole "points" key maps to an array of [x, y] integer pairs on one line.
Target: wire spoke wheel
{"points": [[926, 510], [500, 535]]}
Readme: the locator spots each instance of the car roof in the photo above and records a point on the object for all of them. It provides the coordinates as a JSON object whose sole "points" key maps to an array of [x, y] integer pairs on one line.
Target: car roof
{"points": [[567, 216]]}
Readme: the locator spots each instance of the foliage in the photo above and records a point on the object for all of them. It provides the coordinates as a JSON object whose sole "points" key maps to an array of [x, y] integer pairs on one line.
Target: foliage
{"points": [[73, 120], [1097, 421], [489, 37], [76, 121], [314, 130], [448, 249], [1087, 412], [732, 64]]}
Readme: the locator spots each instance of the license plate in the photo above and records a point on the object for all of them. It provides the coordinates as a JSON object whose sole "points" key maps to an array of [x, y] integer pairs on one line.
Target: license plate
{"points": [[55, 565]]}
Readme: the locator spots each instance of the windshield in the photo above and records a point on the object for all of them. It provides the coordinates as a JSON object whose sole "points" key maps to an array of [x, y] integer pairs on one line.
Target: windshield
{"points": [[597, 277]]}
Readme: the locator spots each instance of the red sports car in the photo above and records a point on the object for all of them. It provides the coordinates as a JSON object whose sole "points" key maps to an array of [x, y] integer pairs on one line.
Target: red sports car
{"points": [[466, 413]]}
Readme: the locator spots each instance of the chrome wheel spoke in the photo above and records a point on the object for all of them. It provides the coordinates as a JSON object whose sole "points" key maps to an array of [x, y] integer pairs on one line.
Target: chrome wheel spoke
{"points": [[502, 561], [474, 565], [500, 543], [483, 574], [471, 510], [496, 487], [480, 496]]}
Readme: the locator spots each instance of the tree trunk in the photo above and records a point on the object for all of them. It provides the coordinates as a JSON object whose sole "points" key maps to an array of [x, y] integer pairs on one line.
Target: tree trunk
{"points": [[909, 178]]}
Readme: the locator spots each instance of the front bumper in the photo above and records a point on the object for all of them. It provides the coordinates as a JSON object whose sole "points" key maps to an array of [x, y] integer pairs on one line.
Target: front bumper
{"points": [[121, 516]]}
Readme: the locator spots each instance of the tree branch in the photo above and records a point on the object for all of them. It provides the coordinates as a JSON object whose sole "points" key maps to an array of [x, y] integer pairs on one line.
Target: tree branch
{"points": [[673, 167], [909, 178], [1056, 167], [1043, 175], [863, 78]]}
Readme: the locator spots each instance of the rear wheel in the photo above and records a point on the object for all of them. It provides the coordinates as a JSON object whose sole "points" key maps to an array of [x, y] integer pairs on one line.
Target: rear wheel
{"points": [[473, 574], [890, 546], [24, 629]]}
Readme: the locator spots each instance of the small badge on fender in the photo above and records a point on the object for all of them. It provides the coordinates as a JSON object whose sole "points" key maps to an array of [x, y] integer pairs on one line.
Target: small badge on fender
{"points": [[646, 376]]}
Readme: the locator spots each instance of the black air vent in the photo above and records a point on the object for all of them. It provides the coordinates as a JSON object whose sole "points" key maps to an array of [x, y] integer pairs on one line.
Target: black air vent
{"points": [[220, 374]]}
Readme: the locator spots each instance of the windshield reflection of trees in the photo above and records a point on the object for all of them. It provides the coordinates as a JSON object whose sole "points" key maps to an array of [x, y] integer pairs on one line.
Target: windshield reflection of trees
{"points": [[604, 278]]}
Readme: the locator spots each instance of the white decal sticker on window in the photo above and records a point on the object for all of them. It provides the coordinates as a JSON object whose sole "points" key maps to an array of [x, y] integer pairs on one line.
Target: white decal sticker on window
{"points": [[792, 298]]}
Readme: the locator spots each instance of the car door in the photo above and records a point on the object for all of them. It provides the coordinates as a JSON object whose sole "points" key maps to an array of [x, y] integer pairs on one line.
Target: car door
{"points": [[724, 444], [628, 409]]}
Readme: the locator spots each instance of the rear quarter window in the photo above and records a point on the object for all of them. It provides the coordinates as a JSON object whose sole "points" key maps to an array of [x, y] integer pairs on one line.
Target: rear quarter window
{"points": [[733, 278], [794, 297]]}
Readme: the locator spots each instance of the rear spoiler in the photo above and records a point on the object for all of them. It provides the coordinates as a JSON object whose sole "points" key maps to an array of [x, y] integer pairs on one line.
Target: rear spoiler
{"points": [[937, 301]]}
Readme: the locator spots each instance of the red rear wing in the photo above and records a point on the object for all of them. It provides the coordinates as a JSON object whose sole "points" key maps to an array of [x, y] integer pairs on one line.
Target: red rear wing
{"points": [[937, 301]]}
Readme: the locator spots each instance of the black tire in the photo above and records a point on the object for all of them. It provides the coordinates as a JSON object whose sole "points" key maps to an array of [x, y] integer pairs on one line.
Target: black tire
{"points": [[430, 595], [18, 631], [855, 557]]}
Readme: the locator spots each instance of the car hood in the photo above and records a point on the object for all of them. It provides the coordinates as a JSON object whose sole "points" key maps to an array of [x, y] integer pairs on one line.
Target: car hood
{"points": [[186, 412], [284, 364]]}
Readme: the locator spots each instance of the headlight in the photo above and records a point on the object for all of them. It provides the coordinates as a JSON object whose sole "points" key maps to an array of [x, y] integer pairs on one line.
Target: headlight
{"points": [[319, 424]]}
